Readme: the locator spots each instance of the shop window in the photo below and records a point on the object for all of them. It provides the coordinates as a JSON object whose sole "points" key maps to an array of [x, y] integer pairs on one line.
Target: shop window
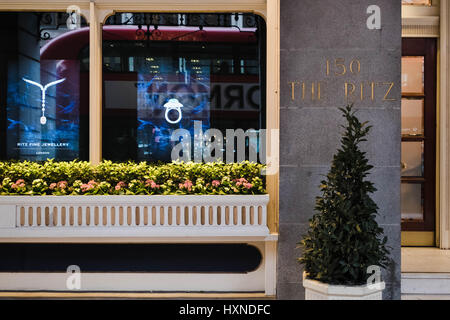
{"points": [[163, 72], [418, 134], [44, 91]]}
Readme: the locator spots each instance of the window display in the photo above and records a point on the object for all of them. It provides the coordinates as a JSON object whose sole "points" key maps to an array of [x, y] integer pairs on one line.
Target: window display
{"points": [[164, 72], [43, 111]]}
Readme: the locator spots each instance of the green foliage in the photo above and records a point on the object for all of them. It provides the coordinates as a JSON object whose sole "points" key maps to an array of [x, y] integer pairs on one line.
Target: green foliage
{"points": [[344, 237], [108, 178]]}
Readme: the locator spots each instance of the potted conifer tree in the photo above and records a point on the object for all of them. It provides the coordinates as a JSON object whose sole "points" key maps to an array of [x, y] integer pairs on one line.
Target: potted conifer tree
{"points": [[344, 243]]}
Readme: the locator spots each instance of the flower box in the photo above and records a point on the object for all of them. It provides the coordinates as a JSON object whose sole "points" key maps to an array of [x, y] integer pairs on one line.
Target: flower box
{"points": [[142, 219], [139, 218], [78, 202]]}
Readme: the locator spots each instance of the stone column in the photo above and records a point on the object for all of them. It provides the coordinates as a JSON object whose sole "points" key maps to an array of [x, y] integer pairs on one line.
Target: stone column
{"points": [[334, 52]]}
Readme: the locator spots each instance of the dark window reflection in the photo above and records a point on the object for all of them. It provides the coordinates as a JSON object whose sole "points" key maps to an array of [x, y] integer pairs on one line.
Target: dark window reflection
{"points": [[44, 95], [214, 73]]}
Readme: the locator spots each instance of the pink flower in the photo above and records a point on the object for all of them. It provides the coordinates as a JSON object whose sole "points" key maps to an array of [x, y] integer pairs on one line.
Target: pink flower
{"points": [[86, 187], [52, 186], [186, 185], [240, 182], [243, 182], [248, 185], [62, 184], [14, 186], [92, 183], [20, 183], [152, 184], [215, 183], [120, 185]]}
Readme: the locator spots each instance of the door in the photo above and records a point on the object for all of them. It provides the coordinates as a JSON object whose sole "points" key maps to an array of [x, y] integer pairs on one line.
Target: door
{"points": [[418, 187]]}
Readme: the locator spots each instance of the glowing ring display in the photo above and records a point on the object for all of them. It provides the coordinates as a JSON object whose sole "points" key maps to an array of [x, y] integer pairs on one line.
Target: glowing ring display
{"points": [[173, 104]]}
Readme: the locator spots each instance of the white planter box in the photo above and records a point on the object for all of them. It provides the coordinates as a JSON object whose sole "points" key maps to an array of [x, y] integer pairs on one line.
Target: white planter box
{"points": [[142, 219], [133, 218], [316, 290]]}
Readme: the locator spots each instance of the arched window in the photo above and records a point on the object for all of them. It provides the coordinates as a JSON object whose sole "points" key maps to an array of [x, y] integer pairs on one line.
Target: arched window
{"points": [[44, 86], [186, 72]]}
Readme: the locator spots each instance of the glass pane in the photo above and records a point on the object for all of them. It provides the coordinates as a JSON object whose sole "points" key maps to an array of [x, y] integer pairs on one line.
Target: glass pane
{"points": [[47, 86], [412, 117], [157, 81], [417, 2], [413, 75], [411, 201], [412, 159]]}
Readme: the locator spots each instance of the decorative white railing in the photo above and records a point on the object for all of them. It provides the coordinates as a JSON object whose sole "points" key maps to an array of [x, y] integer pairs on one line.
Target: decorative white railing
{"points": [[68, 217], [141, 219]]}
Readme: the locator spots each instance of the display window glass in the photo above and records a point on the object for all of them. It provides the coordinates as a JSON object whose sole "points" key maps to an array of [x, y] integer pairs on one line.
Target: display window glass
{"points": [[194, 72], [44, 86]]}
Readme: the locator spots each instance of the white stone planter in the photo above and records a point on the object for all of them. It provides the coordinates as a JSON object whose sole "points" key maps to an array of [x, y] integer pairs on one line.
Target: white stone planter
{"points": [[139, 218], [142, 219], [316, 290]]}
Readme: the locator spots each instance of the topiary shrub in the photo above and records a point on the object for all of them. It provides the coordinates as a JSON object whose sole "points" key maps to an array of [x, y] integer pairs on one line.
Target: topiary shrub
{"points": [[344, 238]]}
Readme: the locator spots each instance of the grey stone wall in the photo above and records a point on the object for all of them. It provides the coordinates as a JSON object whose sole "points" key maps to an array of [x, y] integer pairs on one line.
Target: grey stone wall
{"points": [[312, 32]]}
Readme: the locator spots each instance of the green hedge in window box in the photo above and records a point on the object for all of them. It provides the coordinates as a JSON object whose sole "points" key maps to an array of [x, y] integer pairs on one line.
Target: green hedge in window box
{"points": [[108, 178], [344, 238]]}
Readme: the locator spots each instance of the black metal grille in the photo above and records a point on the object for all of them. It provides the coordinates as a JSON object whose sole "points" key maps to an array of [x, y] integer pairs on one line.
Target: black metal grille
{"points": [[53, 21], [226, 20]]}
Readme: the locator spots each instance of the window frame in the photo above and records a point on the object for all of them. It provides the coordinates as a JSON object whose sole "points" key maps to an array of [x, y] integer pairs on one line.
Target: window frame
{"points": [[162, 48], [96, 14], [426, 47], [3, 79]]}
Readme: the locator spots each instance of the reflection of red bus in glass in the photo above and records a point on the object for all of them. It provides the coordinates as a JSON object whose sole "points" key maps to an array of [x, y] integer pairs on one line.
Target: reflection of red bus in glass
{"points": [[231, 56]]}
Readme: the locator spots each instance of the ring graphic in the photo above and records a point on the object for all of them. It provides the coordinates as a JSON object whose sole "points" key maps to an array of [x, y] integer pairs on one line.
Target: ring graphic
{"points": [[173, 104]]}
